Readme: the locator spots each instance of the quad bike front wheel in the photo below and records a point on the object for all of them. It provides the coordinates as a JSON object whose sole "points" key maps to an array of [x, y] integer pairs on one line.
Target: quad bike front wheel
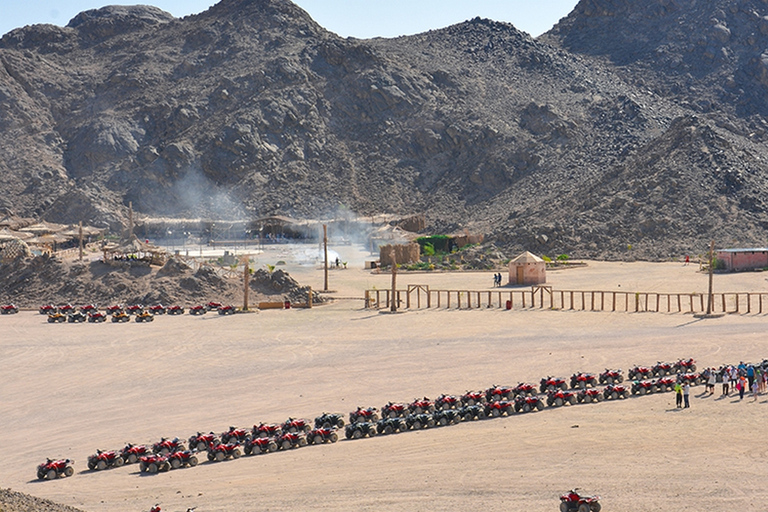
{"points": [[51, 474], [193, 461], [563, 506]]}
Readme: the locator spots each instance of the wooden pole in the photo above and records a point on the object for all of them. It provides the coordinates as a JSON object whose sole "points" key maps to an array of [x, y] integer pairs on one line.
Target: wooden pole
{"points": [[246, 276], [325, 250], [393, 304], [81, 240], [709, 295], [130, 220]]}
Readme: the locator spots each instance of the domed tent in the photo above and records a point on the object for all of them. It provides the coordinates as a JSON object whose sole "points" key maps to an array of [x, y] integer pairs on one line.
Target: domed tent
{"points": [[527, 269]]}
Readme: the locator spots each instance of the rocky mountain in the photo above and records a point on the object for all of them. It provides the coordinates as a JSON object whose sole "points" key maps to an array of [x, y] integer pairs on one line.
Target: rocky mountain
{"points": [[630, 130]]}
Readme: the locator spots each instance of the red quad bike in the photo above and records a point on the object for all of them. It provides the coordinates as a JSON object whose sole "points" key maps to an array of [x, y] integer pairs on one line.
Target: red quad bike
{"points": [[235, 435], [326, 420], [198, 310], [53, 469], [643, 387], [220, 452], [154, 463], [132, 453], [267, 430], [684, 366], [89, 308], [97, 317], [499, 408], [471, 398], [525, 388], [691, 378], [210, 306], [291, 440], [394, 410], [293, 425], [445, 402], [103, 460], [611, 377], [201, 441], [134, 309], [257, 445], [640, 372], [528, 404], [572, 501], [166, 446], [157, 309], [421, 406], [182, 459], [550, 383], [661, 369], [227, 310], [66, 308], [615, 391], [48, 309], [175, 310], [495, 393], [362, 415], [322, 435], [590, 395], [114, 308], [664, 384], [583, 380], [558, 398], [9, 309]]}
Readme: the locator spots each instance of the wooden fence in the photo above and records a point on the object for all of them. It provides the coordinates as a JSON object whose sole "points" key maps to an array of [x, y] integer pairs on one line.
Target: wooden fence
{"points": [[544, 297]]}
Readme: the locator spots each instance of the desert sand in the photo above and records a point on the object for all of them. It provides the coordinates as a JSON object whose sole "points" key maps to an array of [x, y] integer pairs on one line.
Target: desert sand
{"points": [[66, 390]]}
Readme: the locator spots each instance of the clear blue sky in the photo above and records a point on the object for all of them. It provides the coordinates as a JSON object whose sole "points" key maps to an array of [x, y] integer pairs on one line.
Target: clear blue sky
{"points": [[357, 18]]}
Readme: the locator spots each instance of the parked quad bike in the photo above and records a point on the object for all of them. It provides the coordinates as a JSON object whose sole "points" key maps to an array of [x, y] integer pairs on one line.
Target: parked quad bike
{"points": [[583, 380], [615, 391], [103, 460], [550, 383], [327, 420], [528, 404], [360, 430], [257, 445], [227, 310], [446, 417], [200, 441], [220, 452], [611, 377], [640, 372], [235, 435], [182, 459], [643, 387], [59, 318], [97, 317], [393, 410], [388, 426], [133, 453], [572, 501], [446, 402], [322, 435], [558, 398], [419, 421], [145, 316], [364, 415], [9, 309], [421, 406], [293, 425], [76, 317], [174, 310], [684, 366], [524, 388], [291, 440], [48, 309], [661, 369], [590, 395], [53, 469], [473, 412], [499, 408], [198, 310], [498, 393], [120, 316], [154, 463], [267, 430], [166, 446]]}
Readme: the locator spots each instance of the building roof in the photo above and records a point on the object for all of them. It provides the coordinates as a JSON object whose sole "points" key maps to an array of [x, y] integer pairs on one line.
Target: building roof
{"points": [[527, 257], [758, 249]]}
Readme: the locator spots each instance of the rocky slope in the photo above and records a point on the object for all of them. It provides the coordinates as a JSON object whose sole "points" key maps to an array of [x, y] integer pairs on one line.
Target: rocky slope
{"points": [[12, 501], [631, 130]]}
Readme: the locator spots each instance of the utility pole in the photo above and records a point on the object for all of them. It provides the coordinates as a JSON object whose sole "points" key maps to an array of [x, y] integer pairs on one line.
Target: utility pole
{"points": [[81, 240], [130, 221], [393, 303], [325, 249], [246, 276], [711, 265]]}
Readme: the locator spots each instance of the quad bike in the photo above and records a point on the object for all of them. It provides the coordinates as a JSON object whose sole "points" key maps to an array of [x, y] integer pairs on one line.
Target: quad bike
{"points": [[235, 435], [572, 501], [446, 402], [495, 393], [524, 388], [326, 420], [558, 398], [103, 460], [640, 372], [693, 379], [120, 316], [361, 415], [53, 469], [392, 410], [583, 380], [590, 395], [528, 404], [132, 453], [210, 306], [154, 463], [77, 316], [550, 383], [157, 309], [145, 316], [9, 309], [419, 421], [134, 309], [200, 441], [447, 417], [267, 430], [114, 308], [611, 376], [48, 309], [473, 412], [293, 425], [499, 408], [166, 446], [182, 459], [684, 366], [227, 310], [615, 391], [57, 318], [359, 430], [473, 398], [89, 308], [96, 317], [256, 445], [66, 308], [291, 440], [219, 452], [322, 435], [661, 369], [174, 310], [664, 384], [388, 426], [421, 405], [198, 310], [643, 387]]}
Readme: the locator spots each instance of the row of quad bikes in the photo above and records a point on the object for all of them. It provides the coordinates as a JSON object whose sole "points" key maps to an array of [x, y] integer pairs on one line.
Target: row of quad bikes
{"points": [[118, 313]]}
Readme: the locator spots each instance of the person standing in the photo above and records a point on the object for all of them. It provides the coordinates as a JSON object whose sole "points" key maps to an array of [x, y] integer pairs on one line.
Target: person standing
{"points": [[679, 395], [712, 381], [726, 378], [686, 393], [741, 385], [755, 387]]}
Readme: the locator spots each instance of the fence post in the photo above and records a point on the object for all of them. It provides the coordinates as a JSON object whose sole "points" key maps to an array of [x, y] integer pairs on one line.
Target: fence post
{"points": [[591, 301], [723, 297], [571, 300], [679, 304], [737, 302], [749, 303], [367, 299], [613, 302], [583, 301], [523, 293]]}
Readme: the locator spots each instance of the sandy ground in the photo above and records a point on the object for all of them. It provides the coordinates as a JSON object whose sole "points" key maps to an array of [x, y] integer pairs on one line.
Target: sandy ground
{"points": [[66, 390]]}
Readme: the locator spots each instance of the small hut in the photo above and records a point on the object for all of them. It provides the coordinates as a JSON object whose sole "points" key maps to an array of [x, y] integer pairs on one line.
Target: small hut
{"points": [[527, 269]]}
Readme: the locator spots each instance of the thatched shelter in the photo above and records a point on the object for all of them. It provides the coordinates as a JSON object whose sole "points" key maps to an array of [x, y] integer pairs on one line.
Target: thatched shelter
{"points": [[404, 253]]}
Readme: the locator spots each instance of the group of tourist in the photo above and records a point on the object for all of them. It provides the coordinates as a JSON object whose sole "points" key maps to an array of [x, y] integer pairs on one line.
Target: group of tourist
{"points": [[741, 379]]}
